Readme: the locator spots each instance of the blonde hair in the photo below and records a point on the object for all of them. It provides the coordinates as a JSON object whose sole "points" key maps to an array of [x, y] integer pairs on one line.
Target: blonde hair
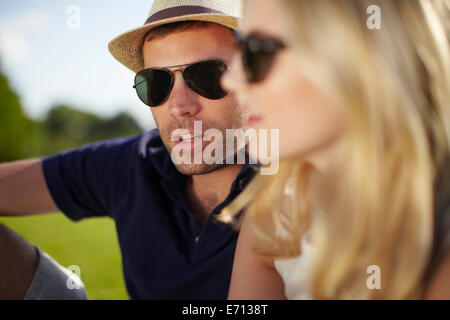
{"points": [[377, 207]]}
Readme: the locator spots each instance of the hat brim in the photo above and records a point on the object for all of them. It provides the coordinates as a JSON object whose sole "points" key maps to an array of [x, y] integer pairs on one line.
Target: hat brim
{"points": [[126, 48]]}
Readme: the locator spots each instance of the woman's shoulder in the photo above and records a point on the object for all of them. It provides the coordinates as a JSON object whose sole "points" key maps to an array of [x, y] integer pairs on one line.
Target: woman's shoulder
{"points": [[438, 274], [439, 285]]}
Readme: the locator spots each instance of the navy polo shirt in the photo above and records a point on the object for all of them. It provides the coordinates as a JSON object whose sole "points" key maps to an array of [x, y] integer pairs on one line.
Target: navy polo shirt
{"points": [[165, 254]]}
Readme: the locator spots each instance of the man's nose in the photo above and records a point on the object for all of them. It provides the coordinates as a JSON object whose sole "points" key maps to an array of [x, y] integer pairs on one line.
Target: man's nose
{"points": [[182, 102]]}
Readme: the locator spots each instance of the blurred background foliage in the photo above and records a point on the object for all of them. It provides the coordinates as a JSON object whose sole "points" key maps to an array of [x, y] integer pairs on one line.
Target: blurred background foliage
{"points": [[92, 243], [64, 127]]}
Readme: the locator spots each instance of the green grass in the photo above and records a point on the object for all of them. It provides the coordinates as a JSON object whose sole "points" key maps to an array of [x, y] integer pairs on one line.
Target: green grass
{"points": [[91, 244]]}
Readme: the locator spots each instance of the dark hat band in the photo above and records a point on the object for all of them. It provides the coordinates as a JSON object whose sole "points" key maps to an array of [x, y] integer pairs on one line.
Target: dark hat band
{"points": [[180, 11]]}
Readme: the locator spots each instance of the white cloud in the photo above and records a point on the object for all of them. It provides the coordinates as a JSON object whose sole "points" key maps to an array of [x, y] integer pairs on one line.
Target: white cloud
{"points": [[15, 34], [32, 21], [14, 47]]}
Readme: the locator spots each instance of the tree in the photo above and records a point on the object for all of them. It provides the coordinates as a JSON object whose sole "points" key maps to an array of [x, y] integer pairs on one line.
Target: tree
{"points": [[120, 125], [67, 128], [14, 125], [63, 128]]}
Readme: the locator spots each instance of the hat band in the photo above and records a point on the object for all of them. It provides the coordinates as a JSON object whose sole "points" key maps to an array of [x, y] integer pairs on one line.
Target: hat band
{"points": [[180, 11]]}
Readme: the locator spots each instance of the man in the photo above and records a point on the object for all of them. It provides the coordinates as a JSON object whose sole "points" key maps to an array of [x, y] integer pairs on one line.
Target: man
{"points": [[172, 246]]}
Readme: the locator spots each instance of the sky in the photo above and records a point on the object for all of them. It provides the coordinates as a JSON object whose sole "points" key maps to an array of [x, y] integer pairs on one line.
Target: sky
{"points": [[51, 56]]}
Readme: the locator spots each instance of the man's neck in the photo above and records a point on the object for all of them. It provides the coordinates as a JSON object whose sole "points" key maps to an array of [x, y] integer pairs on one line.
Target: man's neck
{"points": [[205, 192]]}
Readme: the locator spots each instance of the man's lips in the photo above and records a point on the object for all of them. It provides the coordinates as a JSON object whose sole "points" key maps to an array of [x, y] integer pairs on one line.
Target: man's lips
{"points": [[188, 141], [186, 138]]}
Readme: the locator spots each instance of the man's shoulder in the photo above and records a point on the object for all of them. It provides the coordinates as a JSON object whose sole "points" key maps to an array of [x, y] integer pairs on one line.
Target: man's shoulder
{"points": [[145, 150], [120, 149], [149, 143], [137, 144]]}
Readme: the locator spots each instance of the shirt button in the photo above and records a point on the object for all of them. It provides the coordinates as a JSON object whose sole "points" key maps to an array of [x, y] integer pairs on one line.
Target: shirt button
{"points": [[197, 238], [241, 184]]}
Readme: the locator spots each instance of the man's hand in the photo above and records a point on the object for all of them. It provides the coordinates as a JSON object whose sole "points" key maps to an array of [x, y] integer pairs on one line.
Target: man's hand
{"points": [[23, 190]]}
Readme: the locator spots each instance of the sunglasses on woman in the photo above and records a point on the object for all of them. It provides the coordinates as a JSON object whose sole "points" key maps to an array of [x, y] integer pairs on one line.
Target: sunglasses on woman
{"points": [[258, 54], [154, 85]]}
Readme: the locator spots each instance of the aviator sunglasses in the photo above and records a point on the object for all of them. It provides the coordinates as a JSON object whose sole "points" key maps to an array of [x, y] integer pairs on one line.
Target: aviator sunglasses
{"points": [[258, 54], [154, 85]]}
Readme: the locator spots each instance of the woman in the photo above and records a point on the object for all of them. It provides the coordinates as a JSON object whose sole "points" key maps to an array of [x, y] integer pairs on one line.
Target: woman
{"points": [[364, 139]]}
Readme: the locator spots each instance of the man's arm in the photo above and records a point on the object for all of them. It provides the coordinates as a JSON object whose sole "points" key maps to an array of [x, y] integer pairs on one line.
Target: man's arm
{"points": [[23, 190], [254, 277]]}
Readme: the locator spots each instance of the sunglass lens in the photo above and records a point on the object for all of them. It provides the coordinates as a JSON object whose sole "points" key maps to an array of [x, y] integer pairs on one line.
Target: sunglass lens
{"points": [[153, 86], [204, 79], [258, 58]]}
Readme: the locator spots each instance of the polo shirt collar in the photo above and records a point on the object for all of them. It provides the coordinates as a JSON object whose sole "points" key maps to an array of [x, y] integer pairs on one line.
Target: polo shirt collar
{"points": [[152, 148]]}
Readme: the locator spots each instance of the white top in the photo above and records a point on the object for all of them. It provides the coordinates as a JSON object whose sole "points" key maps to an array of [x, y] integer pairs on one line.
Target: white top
{"points": [[296, 272]]}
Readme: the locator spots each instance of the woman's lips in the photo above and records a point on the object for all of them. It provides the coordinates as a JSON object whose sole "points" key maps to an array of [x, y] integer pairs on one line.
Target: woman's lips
{"points": [[253, 119]]}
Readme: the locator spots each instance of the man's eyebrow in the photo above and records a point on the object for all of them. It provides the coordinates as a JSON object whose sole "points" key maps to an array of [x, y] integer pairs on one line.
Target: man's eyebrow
{"points": [[179, 66]]}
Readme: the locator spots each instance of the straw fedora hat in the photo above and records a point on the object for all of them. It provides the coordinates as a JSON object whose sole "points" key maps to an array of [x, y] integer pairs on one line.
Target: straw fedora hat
{"points": [[127, 47]]}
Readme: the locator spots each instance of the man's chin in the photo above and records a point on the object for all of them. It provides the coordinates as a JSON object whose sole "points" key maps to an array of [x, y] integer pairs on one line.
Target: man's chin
{"points": [[198, 169]]}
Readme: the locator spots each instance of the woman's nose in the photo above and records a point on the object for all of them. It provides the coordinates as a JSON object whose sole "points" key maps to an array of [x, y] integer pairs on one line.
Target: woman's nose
{"points": [[233, 80]]}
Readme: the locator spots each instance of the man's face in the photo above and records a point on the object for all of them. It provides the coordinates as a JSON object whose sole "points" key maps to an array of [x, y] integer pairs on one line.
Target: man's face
{"points": [[184, 106]]}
